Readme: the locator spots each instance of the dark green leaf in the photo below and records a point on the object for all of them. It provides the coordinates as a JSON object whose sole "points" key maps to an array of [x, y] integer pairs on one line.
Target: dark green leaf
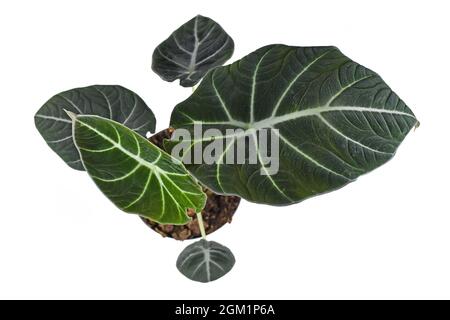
{"points": [[205, 261], [196, 47], [134, 174], [336, 119], [113, 102]]}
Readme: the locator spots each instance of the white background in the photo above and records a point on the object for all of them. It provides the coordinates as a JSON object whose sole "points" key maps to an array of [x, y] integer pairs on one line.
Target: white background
{"points": [[386, 235]]}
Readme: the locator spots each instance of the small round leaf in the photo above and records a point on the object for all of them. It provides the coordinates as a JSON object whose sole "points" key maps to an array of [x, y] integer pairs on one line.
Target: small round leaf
{"points": [[192, 50], [205, 261]]}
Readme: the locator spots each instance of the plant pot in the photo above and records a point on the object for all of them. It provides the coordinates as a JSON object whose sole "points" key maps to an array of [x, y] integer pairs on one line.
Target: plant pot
{"points": [[218, 210]]}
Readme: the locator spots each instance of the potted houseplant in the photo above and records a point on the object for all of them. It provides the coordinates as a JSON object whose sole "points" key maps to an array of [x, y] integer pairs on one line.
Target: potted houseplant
{"points": [[276, 127]]}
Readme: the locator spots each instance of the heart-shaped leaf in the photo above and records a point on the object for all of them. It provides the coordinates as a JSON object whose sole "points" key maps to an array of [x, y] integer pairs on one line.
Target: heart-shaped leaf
{"points": [[205, 261], [134, 174], [108, 101], [194, 48], [333, 118]]}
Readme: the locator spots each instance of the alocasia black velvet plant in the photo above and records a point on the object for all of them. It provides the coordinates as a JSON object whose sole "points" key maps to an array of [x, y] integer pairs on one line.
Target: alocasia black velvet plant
{"points": [[334, 119], [192, 50]]}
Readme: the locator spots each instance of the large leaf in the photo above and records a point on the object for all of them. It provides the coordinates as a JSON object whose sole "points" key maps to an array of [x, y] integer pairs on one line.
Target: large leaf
{"points": [[108, 101], [205, 261], [194, 48], [336, 120], [133, 173]]}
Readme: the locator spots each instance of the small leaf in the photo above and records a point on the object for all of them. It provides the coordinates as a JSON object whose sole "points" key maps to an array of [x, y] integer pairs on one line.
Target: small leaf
{"points": [[335, 120], [108, 101], [134, 174], [192, 50], [205, 261]]}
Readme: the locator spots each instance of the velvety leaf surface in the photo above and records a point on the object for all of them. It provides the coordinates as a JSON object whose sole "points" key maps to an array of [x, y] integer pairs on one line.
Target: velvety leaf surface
{"points": [[108, 101], [192, 50], [335, 121], [205, 261], [134, 174]]}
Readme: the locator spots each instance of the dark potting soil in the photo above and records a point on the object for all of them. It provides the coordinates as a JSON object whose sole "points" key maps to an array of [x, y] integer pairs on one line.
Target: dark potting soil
{"points": [[218, 209]]}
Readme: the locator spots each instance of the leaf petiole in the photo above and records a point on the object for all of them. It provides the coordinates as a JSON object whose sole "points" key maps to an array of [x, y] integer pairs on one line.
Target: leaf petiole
{"points": [[201, 225]]}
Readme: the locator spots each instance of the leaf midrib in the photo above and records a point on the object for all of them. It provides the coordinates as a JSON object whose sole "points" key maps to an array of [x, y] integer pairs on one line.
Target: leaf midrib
{"points": [[138, 159], [271, 121]]}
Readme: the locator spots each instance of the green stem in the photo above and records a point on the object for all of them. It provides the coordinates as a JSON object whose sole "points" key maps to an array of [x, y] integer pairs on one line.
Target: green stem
{"points": [[201, 225]]}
